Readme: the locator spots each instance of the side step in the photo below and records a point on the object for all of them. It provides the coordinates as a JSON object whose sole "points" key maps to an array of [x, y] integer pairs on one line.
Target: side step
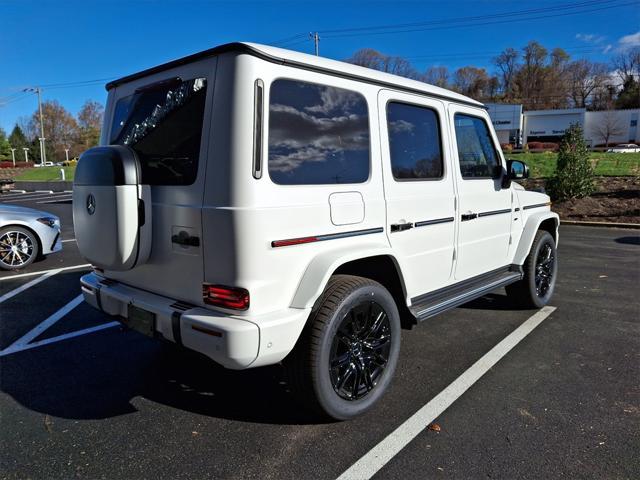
{"points": [[436, 302]]}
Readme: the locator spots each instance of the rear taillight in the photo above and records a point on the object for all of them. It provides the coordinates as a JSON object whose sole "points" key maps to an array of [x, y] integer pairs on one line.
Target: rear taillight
{"points": [[226, 297]]}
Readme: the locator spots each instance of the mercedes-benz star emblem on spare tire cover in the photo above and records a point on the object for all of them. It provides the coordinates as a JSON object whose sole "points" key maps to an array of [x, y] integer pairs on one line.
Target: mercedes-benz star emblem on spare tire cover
{"points": [[91, 204]]}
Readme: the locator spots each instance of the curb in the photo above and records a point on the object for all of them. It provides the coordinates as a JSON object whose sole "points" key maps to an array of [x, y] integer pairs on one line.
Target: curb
{"points": [[635, 226]]}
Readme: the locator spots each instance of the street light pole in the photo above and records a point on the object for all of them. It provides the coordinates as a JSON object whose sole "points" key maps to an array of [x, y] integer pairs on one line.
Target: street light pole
{"points": [[316, 40], [43, 150], [26, 154], [13, 156], [66, 153]]}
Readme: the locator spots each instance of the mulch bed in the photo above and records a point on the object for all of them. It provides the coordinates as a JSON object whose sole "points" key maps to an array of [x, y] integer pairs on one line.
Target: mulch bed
{"points": [[617, 199]]}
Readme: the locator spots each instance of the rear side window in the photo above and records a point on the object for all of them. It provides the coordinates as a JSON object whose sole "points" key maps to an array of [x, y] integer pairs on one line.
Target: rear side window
{"points": [[476, 151], [317, 134], [163, 124], [414, 142]]}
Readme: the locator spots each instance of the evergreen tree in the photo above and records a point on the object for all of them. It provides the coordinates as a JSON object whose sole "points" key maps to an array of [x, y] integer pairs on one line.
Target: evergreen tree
{"points": [[573, 177], [5, 147], [18, 139]]}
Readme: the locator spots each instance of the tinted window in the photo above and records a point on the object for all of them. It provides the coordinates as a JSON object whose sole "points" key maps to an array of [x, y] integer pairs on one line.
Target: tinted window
{"points": [[163, 124], [414, 142], [476, 152], [317, 134]]}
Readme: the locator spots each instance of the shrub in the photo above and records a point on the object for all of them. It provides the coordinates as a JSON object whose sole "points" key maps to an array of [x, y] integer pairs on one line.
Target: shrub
{"points": [[550, 146], [506, 147], [534, 145], [5, 164], [573, 177]]}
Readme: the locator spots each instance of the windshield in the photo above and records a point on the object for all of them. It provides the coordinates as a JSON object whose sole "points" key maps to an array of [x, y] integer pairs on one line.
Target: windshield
{"points": [[163, 124]]}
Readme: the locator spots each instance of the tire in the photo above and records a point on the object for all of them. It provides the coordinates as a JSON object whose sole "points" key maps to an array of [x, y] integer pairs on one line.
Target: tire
{"points": [[540, 271], [18, 248], [354, 326]]}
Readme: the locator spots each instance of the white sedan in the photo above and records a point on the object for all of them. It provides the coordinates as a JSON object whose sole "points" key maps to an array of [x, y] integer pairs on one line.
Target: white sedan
{"points": [[625, 148], [25, 234]]}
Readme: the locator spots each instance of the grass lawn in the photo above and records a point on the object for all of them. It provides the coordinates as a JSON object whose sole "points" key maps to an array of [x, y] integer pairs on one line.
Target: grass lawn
{"points": [[46, 174], [606, 164], [540, 164]]}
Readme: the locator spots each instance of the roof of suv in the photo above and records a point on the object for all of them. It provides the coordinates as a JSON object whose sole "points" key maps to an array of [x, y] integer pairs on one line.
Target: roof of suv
{"points": [[313, 63]]}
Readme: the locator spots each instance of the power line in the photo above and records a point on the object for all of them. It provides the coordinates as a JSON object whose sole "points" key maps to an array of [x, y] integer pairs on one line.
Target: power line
{"points": [[472, 18], [477, 24]]}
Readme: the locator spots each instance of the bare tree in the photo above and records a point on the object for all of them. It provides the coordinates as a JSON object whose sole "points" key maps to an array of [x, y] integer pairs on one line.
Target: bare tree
{"points": [[610, 126], [531, 77], [438, 76], [471, 81], [627, 65], [367, 57], [89, 122], [60, 128], [586, 79], [507, 64]]}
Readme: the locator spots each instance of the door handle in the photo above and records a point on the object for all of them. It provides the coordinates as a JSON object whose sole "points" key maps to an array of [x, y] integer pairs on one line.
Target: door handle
{"points": [[400, 227], [469, 216]]}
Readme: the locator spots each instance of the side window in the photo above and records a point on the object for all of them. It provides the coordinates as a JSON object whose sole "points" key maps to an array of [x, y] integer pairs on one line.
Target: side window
{"points": [[414, 142], [317, 134], [476, 151]]}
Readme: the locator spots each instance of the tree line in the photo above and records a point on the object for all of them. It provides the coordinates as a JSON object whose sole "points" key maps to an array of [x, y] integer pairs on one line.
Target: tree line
{"points": [[61, 129], [536, 77]]}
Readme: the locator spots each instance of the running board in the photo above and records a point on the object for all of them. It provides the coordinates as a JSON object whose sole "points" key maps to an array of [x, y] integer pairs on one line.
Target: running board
{"points": [[436, 302]]}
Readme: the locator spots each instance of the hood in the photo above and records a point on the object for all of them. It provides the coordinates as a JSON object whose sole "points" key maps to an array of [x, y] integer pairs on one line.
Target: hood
{"points": [[18, 210]]}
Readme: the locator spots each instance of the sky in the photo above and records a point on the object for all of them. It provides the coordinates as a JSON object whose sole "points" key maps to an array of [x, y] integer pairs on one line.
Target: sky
{"points": [[72, 48]]}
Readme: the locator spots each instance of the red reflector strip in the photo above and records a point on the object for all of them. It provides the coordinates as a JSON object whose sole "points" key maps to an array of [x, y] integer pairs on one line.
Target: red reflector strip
{"points": [[293, 241], [213, 333], [322, 238]]}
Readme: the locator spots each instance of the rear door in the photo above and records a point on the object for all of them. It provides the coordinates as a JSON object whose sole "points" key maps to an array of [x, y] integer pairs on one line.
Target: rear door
{"points": [[484, 206], [165, 118], [419, 189]]}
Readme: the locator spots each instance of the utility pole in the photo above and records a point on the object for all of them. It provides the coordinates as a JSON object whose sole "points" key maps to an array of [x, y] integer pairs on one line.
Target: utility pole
{"points": [[316, 40], [13, 156], [43, 150]]}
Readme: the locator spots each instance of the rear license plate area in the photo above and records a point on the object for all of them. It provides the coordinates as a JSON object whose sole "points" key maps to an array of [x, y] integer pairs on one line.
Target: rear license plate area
{"points": [[141, 320]]}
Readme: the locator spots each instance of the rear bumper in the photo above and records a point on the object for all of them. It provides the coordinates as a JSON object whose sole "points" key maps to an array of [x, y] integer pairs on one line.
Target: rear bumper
{"points": [[236, 342]]}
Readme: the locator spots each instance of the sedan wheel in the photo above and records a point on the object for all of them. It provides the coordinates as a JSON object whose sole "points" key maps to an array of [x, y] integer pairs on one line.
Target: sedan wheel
{"points": [[18, 248]]}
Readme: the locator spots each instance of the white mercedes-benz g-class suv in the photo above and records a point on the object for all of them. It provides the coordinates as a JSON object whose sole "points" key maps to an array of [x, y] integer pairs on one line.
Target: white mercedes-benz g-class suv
{"points": [[259, 206]]}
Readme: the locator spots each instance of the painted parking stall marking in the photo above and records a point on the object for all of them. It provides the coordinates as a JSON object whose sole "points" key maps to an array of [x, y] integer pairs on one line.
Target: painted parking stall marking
{"points": [[367, 466]]}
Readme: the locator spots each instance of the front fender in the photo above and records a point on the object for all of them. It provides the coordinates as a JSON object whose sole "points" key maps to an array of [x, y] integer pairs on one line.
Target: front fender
{"points": [[323, 265], [531, 227]]}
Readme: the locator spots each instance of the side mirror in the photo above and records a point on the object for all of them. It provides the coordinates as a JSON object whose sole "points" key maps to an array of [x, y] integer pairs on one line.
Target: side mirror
{"points": [[516, 170]]}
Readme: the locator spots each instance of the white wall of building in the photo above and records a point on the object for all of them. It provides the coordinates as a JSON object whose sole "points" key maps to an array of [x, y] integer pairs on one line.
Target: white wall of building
{"points": [[507, 121], [621, 125], [512, 124], [550, 123]]}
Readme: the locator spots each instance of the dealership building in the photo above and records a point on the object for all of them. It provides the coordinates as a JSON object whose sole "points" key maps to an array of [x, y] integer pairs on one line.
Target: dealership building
{"points": [[518, 127]]}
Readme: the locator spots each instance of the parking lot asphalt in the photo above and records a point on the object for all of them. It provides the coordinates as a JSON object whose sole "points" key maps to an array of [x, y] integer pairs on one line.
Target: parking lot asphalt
{"points": [[83, 398]]}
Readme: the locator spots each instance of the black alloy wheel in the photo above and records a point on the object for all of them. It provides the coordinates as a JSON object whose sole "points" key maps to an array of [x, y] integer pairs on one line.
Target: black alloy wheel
{"points": [[360, 350], [545, 262]]}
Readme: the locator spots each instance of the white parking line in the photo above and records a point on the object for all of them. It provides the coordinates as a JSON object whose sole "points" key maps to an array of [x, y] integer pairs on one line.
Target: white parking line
{"points": [[41, 327], [39, 196], [59, 338], [42, 272], [57, 199], [20, 195], [382, 453], [27, 285], [68, 240]]}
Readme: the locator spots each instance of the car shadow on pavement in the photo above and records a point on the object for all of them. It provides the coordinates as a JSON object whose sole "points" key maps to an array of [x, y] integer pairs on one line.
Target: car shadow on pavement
{"points": [[630, 240], [493, 301], [102, 375]]}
